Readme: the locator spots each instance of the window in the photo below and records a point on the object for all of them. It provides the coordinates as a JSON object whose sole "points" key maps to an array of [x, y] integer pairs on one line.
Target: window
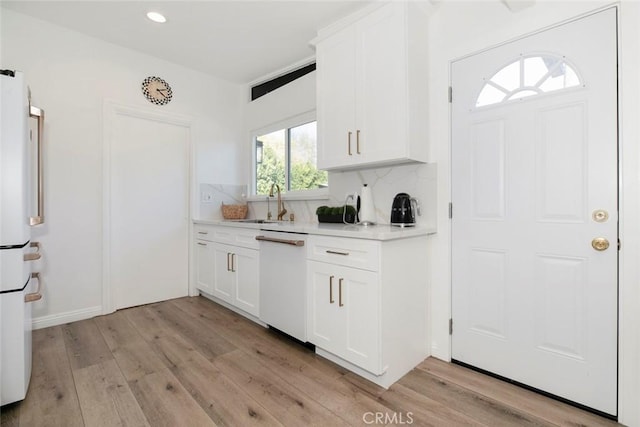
{"points": [[287, 157], [528, 76]]}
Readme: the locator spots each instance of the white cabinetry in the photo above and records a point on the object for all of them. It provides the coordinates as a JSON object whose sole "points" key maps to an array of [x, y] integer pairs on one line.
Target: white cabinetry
{"points": [[227, 261], [367, 304], [344, 313], [372, 89]]}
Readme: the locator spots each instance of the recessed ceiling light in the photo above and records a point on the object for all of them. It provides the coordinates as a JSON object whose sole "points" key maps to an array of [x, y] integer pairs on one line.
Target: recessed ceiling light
{"points": [[156, 17]]}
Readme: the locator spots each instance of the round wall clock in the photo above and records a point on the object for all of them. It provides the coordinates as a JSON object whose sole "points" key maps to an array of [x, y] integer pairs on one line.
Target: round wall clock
{"points": [[156, 90]]}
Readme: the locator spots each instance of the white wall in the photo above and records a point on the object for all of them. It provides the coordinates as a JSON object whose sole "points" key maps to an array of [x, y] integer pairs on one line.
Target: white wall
{"points": [[70, 76], [464, 27]]}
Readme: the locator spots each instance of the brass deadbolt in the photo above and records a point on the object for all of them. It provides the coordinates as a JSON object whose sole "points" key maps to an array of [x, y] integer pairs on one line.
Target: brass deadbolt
{"points": [[600, 215]]}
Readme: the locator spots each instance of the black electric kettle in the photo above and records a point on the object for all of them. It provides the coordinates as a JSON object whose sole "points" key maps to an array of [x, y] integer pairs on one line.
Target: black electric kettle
{"points": [[403, 210]]}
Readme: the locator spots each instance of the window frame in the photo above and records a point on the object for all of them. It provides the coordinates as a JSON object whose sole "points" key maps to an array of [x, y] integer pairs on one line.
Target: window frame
{"points": [[286, 124]]}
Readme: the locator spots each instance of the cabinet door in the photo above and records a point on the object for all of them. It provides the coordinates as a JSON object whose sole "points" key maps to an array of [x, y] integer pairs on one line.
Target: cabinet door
{"points": [[335, 90], [381, 96], [344, 313], [245, 262], [204, 266], [359, 303], [223, 276], [325, 327]]}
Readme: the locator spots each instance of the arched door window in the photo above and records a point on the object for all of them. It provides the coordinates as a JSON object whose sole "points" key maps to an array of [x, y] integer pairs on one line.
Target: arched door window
{"points": [[528, 76]]}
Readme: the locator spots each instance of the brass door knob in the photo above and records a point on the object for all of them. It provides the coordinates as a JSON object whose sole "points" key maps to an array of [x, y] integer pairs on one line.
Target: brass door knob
{"points": [[600, 244]]}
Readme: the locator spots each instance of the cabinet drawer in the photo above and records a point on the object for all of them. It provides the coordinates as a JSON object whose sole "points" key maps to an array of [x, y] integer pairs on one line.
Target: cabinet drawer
{"points": [[357, 253], [243, 237], [203, 232]]}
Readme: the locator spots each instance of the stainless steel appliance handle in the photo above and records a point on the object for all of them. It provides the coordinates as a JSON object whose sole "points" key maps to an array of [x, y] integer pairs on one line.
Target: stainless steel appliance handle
{"points": [[35, 296], [283, 241], [37, 113]]}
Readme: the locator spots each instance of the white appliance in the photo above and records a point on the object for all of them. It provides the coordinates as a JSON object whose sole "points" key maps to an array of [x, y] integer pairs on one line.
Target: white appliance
{"points": [[21, 207], [283, 282]]}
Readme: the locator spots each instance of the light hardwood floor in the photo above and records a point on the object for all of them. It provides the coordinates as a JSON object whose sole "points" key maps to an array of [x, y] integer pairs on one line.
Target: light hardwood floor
{"points": [[191, 362]]}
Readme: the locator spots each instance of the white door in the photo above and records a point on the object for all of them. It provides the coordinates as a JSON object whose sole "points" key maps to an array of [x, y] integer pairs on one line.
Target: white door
{"points": [[534, 183], [148, 210]]}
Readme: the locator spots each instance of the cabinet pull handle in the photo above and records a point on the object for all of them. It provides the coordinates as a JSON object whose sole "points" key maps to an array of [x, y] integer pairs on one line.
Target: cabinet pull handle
{"points": [[358, 141], [337, 252], [233, 262], [228, 261], [349, 142], [202, 244], [340, 304], [203, 232], [35, 296], [34, 256], [331, 300]]}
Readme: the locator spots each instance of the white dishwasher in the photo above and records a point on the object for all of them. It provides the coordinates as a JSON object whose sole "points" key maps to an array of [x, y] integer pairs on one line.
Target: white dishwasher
{"points": [[283, 276]]}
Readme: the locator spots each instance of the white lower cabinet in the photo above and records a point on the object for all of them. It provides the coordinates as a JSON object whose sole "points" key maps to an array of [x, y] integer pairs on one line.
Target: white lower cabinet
{"points": [[344, 313], [228, 272], [367, 304], [204, 273]]}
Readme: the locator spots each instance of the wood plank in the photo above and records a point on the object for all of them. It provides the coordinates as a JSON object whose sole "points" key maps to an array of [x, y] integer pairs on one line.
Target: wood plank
{"points": [[221, 399], [117, 330], [51, 399], [251, 337], [196, 331], [481, 408], [165, 402], [289, 405], [406, 404], [123, 332], [147, 323], [105, 397], [550, 410], [10, 415], [85, 344]]}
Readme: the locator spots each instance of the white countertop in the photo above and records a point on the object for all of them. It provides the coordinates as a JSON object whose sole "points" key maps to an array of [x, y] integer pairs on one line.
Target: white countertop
{"points": [[370, 232]]}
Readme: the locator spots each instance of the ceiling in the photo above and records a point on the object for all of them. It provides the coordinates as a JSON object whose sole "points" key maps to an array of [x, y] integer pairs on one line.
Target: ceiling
{"points": [[240, 41]]}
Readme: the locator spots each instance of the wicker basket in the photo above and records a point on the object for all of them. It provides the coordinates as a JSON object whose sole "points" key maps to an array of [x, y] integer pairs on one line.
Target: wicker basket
{"points": [[234, 211]]}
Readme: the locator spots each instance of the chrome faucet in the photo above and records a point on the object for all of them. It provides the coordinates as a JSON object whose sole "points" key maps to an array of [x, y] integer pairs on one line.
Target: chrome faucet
{"points": [[280, 209]]}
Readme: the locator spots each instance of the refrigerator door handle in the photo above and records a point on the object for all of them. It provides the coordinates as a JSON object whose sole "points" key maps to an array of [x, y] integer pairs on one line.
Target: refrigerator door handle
{"points": [[35, 296], [33, 256], [37, 113]]}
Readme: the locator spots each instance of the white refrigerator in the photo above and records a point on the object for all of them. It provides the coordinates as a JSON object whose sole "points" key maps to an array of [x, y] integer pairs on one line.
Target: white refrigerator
{"points": [[21, 208]]}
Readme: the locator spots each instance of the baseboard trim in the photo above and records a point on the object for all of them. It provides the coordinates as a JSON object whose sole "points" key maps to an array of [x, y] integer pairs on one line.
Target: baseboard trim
{"points": [[69, 316]]}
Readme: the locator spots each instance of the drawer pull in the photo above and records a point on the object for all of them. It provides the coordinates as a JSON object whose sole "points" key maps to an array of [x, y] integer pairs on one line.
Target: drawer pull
{"points": [[37, 295], [337, 252], [202, 244], [203, 232], [340, 304], [331, 300], [33, 256]]}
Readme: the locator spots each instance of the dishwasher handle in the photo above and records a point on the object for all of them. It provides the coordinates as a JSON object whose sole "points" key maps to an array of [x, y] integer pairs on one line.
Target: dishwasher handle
{"points": [[283, 241]]}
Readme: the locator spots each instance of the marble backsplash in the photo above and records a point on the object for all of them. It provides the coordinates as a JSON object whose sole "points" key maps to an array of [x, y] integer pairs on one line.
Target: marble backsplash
{"points": [[418, 180], [211, 197]]}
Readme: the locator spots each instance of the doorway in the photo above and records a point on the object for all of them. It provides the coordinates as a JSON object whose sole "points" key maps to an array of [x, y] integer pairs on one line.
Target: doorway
{"points": [[147, 176], [535, 211]]}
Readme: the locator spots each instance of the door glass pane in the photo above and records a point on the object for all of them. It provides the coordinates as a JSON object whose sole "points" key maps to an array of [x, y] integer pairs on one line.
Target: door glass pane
{"points": [[508, 77], [304, 173], [272, 167]]}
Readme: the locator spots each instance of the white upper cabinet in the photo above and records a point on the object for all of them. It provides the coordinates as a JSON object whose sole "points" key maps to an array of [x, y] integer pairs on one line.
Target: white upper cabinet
{"points": [[372, 89]]}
